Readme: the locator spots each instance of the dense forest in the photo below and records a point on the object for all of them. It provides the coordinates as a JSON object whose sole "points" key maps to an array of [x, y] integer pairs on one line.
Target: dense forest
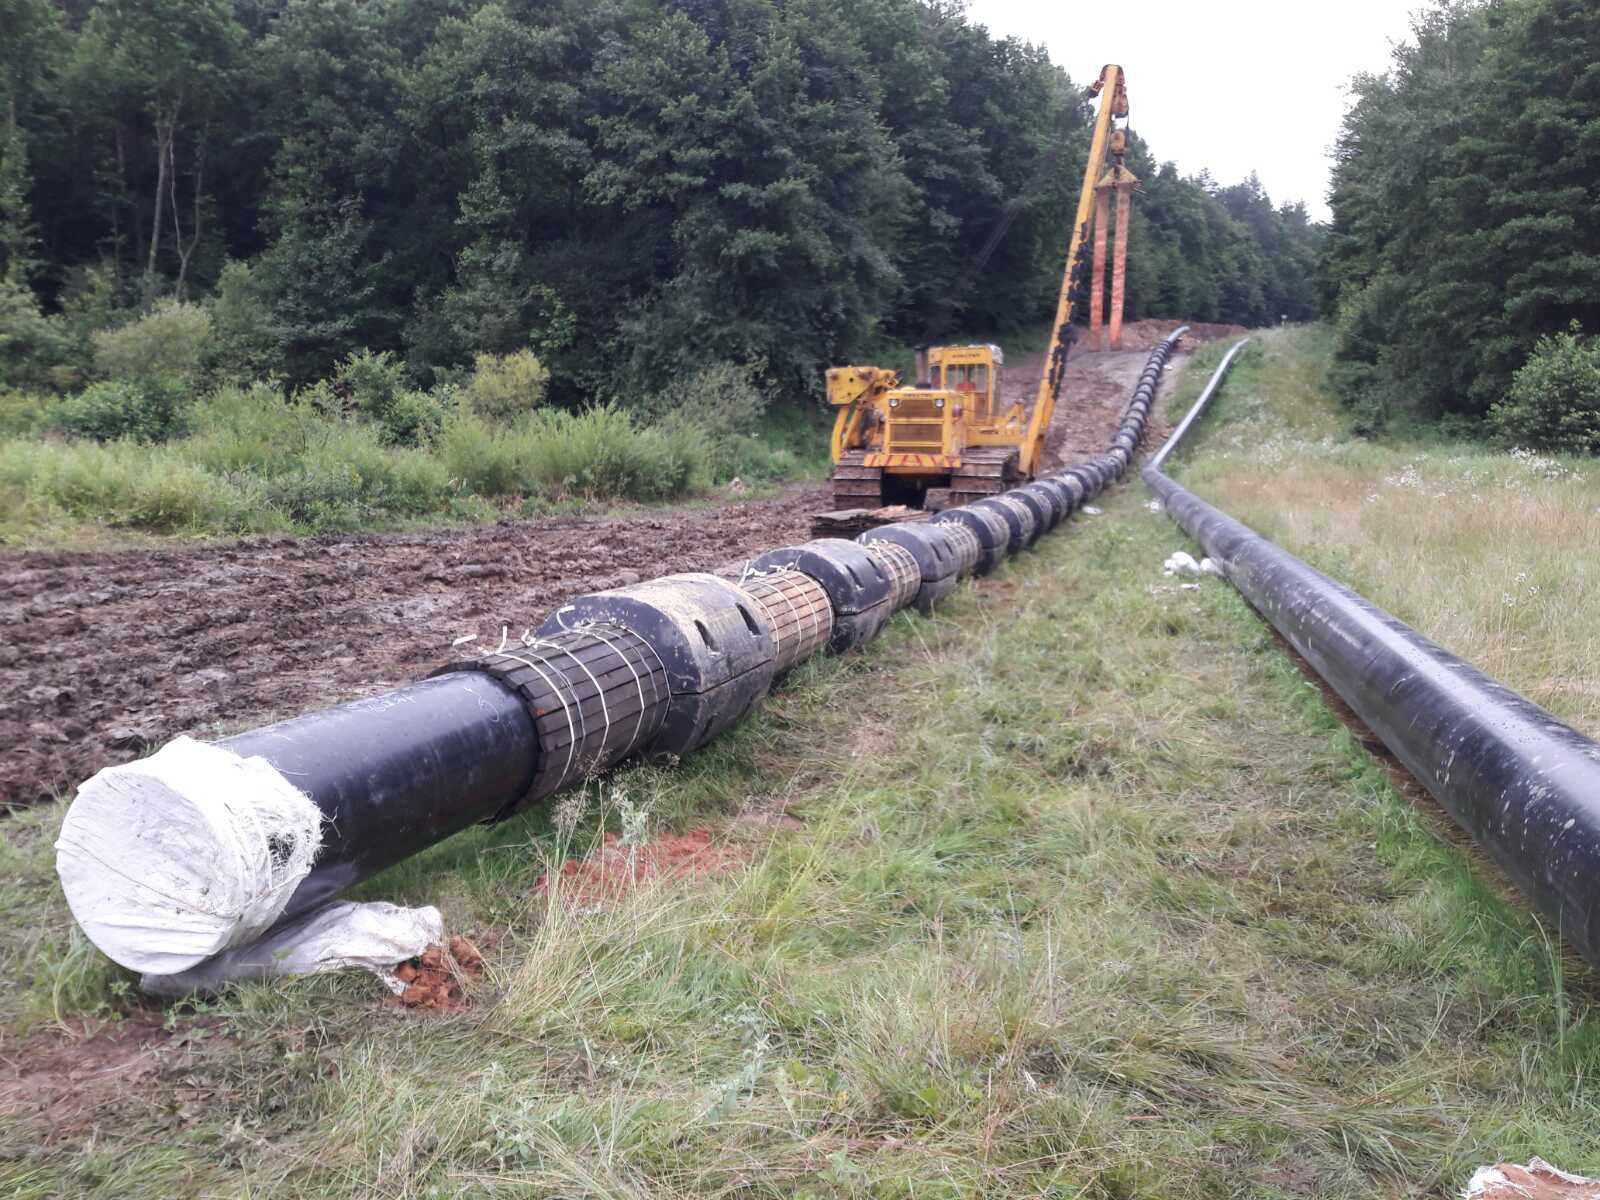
{"points": [[1463, 262], [627, 188]]}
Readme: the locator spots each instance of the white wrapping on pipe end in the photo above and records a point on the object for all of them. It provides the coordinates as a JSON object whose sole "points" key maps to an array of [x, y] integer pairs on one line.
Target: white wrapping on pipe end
{"points": [[174, 858], [375, 936]]}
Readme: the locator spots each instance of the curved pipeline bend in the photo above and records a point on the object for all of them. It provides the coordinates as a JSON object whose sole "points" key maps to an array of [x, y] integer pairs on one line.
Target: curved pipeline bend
{"points": [[1525, 785]]}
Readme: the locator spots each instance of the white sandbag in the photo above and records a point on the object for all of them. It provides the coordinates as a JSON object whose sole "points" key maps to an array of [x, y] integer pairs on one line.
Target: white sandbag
{"points": [[174, 858], [1180, 563], [1209, 566], [376, 936]]}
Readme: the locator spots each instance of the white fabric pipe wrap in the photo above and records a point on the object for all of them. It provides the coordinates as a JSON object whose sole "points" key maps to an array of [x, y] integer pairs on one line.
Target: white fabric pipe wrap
{"points": [[373, 936], [174, 858]]}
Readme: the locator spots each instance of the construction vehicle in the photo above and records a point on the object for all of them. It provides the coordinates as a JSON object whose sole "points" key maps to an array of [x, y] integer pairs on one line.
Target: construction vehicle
{"points": [[948, 438]]}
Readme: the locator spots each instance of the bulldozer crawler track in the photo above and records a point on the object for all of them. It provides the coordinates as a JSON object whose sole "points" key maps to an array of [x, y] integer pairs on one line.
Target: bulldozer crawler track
{"points": [[856, 485], [984, 471]]}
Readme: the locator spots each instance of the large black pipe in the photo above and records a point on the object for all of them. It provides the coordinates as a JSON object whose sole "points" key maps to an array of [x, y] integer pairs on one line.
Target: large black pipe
{"points": [[1525, 785], [396, 773]]}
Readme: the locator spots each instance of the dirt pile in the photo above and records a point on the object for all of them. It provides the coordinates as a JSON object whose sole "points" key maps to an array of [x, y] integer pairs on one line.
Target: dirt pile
{"points": [[1144, 334], [106, 655], [434, 978], [612, 868]]}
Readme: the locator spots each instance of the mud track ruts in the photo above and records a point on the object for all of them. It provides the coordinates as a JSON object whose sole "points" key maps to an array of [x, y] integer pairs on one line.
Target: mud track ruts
{"points": [[106, 654]]}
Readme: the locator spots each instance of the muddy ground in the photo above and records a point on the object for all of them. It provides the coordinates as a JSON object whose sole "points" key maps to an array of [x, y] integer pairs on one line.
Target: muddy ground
{"points": [[104, 655]]}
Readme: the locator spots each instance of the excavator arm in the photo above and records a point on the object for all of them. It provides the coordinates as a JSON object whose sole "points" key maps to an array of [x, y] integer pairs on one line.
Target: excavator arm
{"points": [[1112, 90]]}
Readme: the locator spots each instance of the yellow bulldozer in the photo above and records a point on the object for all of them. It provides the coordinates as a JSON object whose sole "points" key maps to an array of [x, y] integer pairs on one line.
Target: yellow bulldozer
{"points": [[941, 442], [948, 438]]}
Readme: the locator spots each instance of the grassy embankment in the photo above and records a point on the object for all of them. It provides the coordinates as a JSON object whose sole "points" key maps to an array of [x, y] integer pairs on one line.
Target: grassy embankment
{"points": [[1092, 896], [1487, 552]]}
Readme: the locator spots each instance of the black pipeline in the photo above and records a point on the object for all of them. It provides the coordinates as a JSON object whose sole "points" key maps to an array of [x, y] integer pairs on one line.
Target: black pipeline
{"points": [[1522, 783], [654, 670]]}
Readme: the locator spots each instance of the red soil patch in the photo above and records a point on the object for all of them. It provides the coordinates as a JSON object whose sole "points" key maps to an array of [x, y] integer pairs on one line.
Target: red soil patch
{"points": [[433, 979], [1536, 1181], [611, 868]]}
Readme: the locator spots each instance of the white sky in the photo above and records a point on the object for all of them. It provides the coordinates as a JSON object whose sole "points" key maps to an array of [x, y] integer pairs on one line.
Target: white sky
{"points": [[1233, 85]]}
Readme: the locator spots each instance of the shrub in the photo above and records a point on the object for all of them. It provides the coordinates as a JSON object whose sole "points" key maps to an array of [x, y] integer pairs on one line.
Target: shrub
{"points": [[23, 412], [168, 342], [35, 350], [722, 397], [505, 386], [148, 410], [600, 454], [1360, 374], [253, 429], [376, 387], [370, 382], [484, 459], [719, 407], [414, 418], [1554, 399]]}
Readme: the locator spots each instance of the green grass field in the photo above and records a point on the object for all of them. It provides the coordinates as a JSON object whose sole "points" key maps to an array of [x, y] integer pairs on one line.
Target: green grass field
{"points": [[1086, 894]]}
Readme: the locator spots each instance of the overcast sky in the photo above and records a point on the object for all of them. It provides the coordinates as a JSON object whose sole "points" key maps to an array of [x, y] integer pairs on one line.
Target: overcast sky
{"points": [[1233, 86]]}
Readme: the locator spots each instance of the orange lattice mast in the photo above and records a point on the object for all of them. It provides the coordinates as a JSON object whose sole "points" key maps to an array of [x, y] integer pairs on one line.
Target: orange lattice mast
{"points": [[1097, 287], [1124, 182]]}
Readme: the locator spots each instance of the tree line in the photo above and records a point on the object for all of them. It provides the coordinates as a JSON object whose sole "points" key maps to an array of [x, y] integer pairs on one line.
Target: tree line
{"points": [[630, 189], [1463, 261]]}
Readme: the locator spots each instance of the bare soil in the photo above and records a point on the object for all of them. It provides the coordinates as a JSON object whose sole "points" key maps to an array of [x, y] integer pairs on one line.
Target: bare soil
{"points": [[104, 655], [1098, 385], [611, 868], [66, 1084]]}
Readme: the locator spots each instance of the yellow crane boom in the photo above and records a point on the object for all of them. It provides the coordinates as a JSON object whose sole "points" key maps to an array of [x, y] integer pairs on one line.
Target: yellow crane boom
{"points": [[946, 438], [1112, 89]]}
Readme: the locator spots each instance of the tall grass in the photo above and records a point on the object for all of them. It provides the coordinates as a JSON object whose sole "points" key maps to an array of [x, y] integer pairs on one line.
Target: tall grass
{"points": [[254, 463]]}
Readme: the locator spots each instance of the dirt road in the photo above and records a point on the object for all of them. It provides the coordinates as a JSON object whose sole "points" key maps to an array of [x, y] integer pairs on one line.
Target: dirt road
{"points": [[105, 654], [1098, 385]]}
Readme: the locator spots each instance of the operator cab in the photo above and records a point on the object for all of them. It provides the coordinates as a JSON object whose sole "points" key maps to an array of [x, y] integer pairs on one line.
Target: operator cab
{"points": [[973, 372]]}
